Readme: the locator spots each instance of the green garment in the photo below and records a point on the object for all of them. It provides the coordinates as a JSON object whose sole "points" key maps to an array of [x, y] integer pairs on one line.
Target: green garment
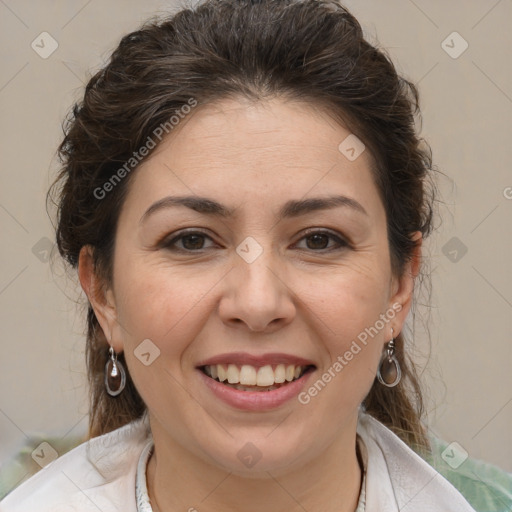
{"points": [[486, 487]]}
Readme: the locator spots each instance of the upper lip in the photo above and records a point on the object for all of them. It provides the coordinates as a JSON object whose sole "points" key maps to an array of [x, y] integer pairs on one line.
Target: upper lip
{"points": [[241, 358]]}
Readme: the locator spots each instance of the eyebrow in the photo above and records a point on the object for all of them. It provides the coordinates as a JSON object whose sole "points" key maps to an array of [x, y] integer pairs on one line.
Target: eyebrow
{"points": [[292, 208]]}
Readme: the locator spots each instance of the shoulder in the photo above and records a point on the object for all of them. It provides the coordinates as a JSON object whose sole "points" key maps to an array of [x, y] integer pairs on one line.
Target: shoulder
{"points": [[96, 475], [394, 470]]}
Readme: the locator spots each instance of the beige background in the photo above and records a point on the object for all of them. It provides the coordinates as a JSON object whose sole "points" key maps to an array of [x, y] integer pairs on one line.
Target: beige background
{"points": [[467, 110]]}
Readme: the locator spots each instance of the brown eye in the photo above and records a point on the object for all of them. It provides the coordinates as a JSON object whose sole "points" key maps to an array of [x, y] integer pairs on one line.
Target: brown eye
{"points": [[192, 241], [319, 241]]}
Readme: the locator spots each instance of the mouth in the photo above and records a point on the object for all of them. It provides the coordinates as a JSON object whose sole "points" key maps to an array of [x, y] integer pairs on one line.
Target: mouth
{"points": [[251, 378]]}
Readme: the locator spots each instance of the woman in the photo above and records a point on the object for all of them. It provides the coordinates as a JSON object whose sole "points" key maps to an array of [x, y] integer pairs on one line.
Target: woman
{"points": [[244, 197]]}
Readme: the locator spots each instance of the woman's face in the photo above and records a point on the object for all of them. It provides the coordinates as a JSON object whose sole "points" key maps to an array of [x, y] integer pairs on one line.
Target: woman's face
{"points": [[237, 283]]}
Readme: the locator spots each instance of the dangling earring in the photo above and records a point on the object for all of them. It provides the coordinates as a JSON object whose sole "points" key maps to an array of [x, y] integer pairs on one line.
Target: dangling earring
{"points": [[115, 376], [389, 372]]}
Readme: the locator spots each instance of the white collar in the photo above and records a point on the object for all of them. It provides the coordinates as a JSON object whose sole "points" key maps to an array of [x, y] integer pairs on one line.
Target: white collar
{"points": [[101, 473], [399, 479]]}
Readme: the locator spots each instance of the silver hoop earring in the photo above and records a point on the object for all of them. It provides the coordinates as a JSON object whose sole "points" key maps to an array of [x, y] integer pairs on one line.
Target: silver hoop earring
{"points": [[389, 372], [115, 376]]}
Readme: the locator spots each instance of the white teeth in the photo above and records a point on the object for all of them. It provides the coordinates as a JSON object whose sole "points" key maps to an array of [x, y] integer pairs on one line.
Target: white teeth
{"points": [[221, 373], [248, 375], [233, 374], [279, 374], [265, 376]]}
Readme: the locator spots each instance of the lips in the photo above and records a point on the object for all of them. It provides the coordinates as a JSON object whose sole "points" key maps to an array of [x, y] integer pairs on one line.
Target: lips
{"points": [[254, 373], [241, 358], [255, 398]]}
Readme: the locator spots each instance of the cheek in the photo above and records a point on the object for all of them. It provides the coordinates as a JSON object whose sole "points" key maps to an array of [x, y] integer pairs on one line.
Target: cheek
{"points": [[153, 306], [347, 299], [349, 314], [168, 306], [153, 296]]}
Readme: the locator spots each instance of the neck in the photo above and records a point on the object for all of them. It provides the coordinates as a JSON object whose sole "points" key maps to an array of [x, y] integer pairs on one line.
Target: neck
{"points": [[178, 480]]}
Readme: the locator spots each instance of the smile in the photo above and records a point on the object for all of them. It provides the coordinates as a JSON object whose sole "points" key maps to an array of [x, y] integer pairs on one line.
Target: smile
{"points": [[252, 378], [255, 383]]}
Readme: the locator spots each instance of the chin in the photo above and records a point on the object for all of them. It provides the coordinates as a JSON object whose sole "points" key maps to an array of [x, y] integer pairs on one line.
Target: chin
{"points": [[257, 458]]}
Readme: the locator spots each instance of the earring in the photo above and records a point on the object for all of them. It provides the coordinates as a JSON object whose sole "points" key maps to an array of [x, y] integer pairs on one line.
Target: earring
{"points": [[115, 376], [389, 372]]}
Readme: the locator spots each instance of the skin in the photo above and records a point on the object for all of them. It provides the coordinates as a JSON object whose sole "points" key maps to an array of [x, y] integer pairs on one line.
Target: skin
{"points": [[297, 297]]}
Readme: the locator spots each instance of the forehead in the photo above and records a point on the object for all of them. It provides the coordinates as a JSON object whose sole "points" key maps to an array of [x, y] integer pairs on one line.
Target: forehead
{"points": [[244, 152]]}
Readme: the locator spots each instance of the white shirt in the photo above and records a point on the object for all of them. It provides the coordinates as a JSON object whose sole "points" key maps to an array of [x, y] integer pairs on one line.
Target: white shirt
{"points": [[101, 475]]}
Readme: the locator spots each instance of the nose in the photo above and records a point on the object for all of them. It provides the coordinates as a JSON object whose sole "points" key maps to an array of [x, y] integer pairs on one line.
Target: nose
{"points": [[257, 296]]}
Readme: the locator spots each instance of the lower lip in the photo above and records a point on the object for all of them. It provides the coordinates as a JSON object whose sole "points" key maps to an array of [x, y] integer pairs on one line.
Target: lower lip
{"points": [[255, 400]]}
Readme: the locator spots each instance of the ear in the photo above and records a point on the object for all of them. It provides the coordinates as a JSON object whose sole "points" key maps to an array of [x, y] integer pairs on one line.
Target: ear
{"points": [[403, 286], [100, 296]]}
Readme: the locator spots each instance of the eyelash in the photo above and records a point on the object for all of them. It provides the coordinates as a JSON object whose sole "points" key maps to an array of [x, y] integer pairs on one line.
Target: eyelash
{"points": [[170, 245]]}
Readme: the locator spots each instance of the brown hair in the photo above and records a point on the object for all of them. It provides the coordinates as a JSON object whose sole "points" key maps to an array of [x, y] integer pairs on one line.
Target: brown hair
{"points": [[311, 50]]}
